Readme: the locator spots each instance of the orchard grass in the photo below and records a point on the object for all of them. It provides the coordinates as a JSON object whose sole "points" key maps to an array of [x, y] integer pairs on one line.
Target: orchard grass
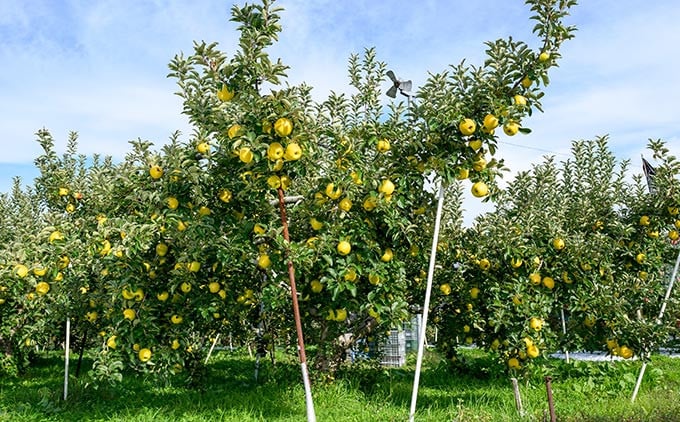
{"points": [[472, 389]]}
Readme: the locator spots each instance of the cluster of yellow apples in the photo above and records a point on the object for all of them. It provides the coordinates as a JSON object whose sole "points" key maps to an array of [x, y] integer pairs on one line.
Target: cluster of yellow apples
{"points": [[71, 198], [280, 150], [511, 126]]}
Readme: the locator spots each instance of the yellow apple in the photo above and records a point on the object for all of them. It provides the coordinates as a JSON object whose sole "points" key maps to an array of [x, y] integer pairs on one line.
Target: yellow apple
{"points": [[194, 266], [144, 355], [283, 127], [111, 342], [387, 255], [383, 145], [234, 131], [490, 122], [344, 247], [42, 288], [56, 235], [275, 151], [535, 278], [203, 148], [316, 286], [316, 224], [225, 195], [340, 315], [263, 261], [462, 174], [549, 282], [475, 144], [386, 187], [479, 164], [225, 94], [293, 152], [467, 127], [558, 244], [370, 203], [345, 204], [333, 192], [156, 172], [21, 270], [161, 249], [129, 314], [172, 202], [536, 323], [245, 155], [480, 189], [511, 128], [128, 295]]}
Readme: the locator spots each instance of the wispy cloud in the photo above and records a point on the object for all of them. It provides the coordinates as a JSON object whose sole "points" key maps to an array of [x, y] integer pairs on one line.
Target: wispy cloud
{"points": [[99, 67]]}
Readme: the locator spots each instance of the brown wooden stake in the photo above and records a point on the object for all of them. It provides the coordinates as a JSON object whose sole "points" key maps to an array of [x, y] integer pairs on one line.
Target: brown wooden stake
{"points": [[551, 404], [311, 417], [518, 398]]}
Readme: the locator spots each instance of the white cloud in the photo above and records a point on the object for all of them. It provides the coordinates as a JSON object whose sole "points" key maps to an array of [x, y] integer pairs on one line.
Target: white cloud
{"points": [[99, 68]]}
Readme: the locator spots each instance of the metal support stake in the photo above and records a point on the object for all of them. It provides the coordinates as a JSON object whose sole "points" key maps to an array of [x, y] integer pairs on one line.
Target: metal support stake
{"points": [[426, 305], [66, 356], [658, 321], [211, 348], [564, 332]]}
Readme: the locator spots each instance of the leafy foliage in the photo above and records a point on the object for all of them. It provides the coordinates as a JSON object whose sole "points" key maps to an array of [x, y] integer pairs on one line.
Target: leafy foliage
{"points": [[576, 257], [160, 253]]}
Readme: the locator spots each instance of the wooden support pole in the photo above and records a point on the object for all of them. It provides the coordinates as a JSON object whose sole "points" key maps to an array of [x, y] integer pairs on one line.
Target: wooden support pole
{"points": [[311, 415]]}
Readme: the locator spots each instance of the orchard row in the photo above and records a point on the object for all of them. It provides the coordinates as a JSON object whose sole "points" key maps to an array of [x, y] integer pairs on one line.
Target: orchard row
{"points": [[154, 255]]}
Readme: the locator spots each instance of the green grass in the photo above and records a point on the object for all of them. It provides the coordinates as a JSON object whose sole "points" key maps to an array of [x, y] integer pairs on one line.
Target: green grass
{"points": [[473, 391]]}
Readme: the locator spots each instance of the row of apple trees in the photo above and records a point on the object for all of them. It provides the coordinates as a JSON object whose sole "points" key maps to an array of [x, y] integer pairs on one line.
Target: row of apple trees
{"points": [[154, 256], [577, 256]]}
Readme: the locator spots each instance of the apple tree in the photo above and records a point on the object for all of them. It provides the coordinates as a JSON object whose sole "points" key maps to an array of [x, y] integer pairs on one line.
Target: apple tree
{"points": [[564, 239]]}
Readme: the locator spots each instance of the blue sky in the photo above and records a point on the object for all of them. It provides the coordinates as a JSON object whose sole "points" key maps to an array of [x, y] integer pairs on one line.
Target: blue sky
{"points": [[99, 68]]}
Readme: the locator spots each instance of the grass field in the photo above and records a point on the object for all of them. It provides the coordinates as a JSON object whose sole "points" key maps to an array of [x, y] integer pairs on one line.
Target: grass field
{"points": [[473, 391]]}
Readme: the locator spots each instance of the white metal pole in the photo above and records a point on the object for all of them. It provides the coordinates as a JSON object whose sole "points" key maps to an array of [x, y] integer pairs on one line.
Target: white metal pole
{"points": [[311, 414], [211, 349], [426, 305], [638, 382], [68, 347], [658, 321], [669, 289], [564, 331]]}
